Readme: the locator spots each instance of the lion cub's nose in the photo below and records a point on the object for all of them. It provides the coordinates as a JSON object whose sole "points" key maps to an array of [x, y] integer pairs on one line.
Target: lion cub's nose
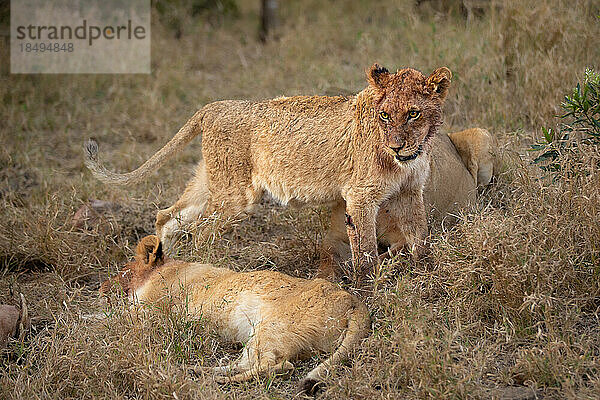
{"points": [[397, 149]]}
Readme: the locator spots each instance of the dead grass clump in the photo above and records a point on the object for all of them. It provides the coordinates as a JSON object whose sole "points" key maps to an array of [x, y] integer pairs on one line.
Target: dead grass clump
{"points": [[539, 257], [121, 356], [530, 273], [41, 237], [276, 237], [535, 48]]}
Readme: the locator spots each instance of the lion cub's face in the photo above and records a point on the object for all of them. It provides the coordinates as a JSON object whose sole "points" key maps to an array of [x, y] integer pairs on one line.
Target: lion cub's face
{"points": [[148, 257], [408, 107]]}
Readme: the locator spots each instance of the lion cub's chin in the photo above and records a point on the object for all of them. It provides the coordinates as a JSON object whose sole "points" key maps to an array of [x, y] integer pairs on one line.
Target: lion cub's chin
{"points": [[403, 161]]}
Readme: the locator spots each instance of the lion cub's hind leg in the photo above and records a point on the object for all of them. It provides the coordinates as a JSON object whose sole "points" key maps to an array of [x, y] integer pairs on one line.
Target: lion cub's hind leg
{"points": [[232, 194], [189, 208], [334, 250], [227, 196], [259, 359]]}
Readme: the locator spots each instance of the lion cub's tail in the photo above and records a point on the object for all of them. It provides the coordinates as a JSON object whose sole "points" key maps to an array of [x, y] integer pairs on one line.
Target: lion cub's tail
{"points": [[359, 325], [90, 150]]}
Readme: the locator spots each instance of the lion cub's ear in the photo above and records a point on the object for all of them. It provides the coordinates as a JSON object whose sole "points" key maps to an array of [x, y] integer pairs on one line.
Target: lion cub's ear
{"points": [[439, 81], [149, 251], [378, 76]]}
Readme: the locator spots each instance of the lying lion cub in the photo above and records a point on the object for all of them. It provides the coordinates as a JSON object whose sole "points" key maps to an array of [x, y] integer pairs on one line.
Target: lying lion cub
{"points": [[280, 318]]}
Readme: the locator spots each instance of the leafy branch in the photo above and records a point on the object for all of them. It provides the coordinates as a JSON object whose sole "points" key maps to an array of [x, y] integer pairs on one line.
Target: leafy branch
{"points": [[581, 121]]}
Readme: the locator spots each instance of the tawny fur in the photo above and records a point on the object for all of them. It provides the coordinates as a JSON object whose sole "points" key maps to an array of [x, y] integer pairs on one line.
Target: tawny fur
{"points": [[479, 152], [280, 318], [310, 150], [451, 187]]}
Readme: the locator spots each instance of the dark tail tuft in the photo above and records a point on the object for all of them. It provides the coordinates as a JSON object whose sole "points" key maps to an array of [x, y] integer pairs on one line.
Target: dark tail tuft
{"points": [[90, 149]]}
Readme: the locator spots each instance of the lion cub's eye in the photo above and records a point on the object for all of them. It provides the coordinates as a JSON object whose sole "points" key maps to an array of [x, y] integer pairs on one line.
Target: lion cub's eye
{"points": [[414, 114], [384, 116]]}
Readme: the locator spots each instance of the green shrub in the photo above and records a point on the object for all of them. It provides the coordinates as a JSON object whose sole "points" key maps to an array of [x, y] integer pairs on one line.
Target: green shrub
{"points": [[580, 124]]}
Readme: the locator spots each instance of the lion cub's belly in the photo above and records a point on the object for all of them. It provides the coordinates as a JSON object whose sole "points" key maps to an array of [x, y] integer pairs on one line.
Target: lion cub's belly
{"points": [[244, 318], [237, 316], [296, 192]]}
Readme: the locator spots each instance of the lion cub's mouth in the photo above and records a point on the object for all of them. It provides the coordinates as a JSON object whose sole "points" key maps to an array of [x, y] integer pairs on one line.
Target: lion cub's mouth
{"points": [[410, 156]]}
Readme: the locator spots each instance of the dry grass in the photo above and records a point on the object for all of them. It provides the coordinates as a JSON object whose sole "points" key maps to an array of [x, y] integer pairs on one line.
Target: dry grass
{"points": [[508, 297]]}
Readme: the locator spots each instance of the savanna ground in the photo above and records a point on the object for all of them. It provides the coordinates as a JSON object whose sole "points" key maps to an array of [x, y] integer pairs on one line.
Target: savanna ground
{"points": [[508, 297]]}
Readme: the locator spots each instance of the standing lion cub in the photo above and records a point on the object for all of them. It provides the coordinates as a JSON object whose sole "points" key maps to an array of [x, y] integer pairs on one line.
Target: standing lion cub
{"points": [[278, 317], [361, 149], [460, 162]]}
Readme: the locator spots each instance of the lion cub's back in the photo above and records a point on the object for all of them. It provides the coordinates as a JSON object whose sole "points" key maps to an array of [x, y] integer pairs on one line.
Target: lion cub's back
{"points": [[450, 186], [295, 148]]}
